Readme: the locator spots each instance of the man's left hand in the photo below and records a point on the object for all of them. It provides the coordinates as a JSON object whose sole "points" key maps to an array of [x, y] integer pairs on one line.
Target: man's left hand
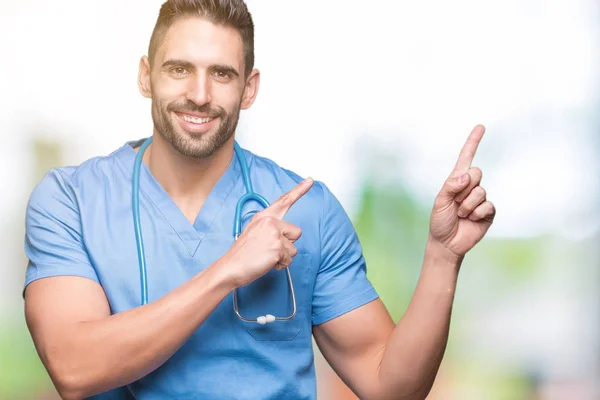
{"points": [[461, 213]]}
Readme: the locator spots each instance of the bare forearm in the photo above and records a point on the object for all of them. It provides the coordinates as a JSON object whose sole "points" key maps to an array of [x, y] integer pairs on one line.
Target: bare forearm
{"points": [[97, 356], [415, 349]]}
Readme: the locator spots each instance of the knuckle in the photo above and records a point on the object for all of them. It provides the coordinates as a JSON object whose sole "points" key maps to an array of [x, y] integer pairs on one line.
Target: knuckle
{"points": [[276, 235], [480, 191], [259, 215], [476, 172], [268, 221], [285, 199], [276, 259], [284, 258]]}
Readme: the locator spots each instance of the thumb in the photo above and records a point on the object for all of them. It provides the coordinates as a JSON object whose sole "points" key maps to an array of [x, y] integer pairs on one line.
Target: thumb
{"points": [[454, 186]]}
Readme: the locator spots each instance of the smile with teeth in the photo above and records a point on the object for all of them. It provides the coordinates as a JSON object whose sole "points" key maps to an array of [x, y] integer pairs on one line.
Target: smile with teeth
{"points": [[195, 120]]}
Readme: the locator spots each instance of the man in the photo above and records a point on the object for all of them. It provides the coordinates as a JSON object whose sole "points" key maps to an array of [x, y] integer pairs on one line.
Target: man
{"points": [[82, 298]]}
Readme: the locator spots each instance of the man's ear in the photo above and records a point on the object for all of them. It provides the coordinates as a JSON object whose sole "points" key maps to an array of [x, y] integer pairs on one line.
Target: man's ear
{"points": [[144, 78], [251, 89]]}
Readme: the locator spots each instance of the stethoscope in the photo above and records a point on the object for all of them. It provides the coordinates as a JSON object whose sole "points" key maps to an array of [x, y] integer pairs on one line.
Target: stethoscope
{"points": [[237, 230]]}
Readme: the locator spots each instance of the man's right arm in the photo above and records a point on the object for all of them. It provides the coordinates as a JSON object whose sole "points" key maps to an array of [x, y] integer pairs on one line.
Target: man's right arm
{"points": [[84, 348], [88, 351]]}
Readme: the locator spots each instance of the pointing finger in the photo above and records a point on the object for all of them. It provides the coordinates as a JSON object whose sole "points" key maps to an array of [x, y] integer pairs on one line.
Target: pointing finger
{"points": [[468, 151], [282, 205]]}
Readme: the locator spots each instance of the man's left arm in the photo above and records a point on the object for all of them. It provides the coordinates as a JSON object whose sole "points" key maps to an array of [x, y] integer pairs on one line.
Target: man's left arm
{"points": [[380, 360]]}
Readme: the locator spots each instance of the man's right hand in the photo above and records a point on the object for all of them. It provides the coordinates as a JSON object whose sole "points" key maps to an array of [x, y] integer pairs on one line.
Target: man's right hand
{"points": [[267, 242]]}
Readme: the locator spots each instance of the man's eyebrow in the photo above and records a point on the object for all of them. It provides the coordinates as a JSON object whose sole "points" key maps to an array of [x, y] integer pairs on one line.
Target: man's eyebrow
{"points": [[225, 69], [178, 63]]}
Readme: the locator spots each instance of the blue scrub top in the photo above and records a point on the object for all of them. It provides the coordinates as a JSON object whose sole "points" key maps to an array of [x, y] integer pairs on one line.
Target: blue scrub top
{"points": [[79, 223]]}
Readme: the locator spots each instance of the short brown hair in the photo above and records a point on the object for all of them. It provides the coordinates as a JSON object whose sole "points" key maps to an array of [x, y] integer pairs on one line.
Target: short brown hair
{"points": [[229, 13]]}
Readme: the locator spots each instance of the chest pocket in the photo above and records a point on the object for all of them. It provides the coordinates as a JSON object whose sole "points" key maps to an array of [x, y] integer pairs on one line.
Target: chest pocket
{"points": [[271, 295]]}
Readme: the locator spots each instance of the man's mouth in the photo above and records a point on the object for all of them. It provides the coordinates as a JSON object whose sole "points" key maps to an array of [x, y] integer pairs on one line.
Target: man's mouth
{"points": [[197, 123], [195, 120]]}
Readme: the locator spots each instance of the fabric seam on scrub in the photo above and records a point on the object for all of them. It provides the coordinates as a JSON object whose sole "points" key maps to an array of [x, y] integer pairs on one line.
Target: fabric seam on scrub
{"points": [[75, 200], [342, 308], [41, 273], [322, 217]]}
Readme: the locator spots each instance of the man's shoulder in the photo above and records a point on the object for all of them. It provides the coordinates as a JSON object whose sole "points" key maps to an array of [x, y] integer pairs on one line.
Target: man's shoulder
{"points": [[66, 182], [286, 179]]}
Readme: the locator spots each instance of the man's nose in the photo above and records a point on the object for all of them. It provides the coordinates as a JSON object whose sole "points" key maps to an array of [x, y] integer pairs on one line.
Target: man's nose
{"points": [[199, 90]]}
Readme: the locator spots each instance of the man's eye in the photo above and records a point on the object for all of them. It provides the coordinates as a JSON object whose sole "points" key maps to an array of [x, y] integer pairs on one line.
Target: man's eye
{"points": [[221, 74], [180, 71]]}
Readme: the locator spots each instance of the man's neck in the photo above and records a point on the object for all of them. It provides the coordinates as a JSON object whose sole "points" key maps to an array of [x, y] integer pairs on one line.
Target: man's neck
{"points": [[187, 180]]}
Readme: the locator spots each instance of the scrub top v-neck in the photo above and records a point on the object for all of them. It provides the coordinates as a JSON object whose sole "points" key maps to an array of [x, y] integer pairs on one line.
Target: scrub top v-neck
{"points": [[190, 234]]}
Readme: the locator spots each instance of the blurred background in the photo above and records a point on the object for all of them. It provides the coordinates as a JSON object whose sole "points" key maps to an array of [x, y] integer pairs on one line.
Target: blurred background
{"points": [[375, 99]]}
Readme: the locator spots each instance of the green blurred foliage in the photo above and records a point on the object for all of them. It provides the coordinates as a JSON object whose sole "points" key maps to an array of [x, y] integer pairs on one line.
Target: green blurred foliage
{"points": [[22, 375], [393, 229]]}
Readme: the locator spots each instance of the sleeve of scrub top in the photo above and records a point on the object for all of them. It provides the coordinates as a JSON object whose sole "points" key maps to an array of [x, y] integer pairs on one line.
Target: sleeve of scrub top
{"points": [[341, 283], [53, 241]]}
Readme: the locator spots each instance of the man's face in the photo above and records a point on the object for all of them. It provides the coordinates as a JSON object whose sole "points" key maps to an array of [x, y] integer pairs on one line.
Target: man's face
{"points": [[198, 86]]}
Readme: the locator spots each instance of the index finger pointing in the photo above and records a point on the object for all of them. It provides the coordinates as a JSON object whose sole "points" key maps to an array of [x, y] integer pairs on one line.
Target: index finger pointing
{"points": [[282, 205], [468, 151]]}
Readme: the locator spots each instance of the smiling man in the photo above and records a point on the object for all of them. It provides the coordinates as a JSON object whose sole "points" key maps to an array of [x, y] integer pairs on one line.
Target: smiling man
{"points": [[148, 292]]}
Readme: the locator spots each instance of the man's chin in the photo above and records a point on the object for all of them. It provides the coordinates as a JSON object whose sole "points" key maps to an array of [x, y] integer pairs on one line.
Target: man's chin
{"points": [[193, 144]]}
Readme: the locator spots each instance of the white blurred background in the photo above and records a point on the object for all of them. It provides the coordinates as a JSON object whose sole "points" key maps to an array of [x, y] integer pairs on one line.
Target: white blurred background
{"points": [[360, 94]]}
